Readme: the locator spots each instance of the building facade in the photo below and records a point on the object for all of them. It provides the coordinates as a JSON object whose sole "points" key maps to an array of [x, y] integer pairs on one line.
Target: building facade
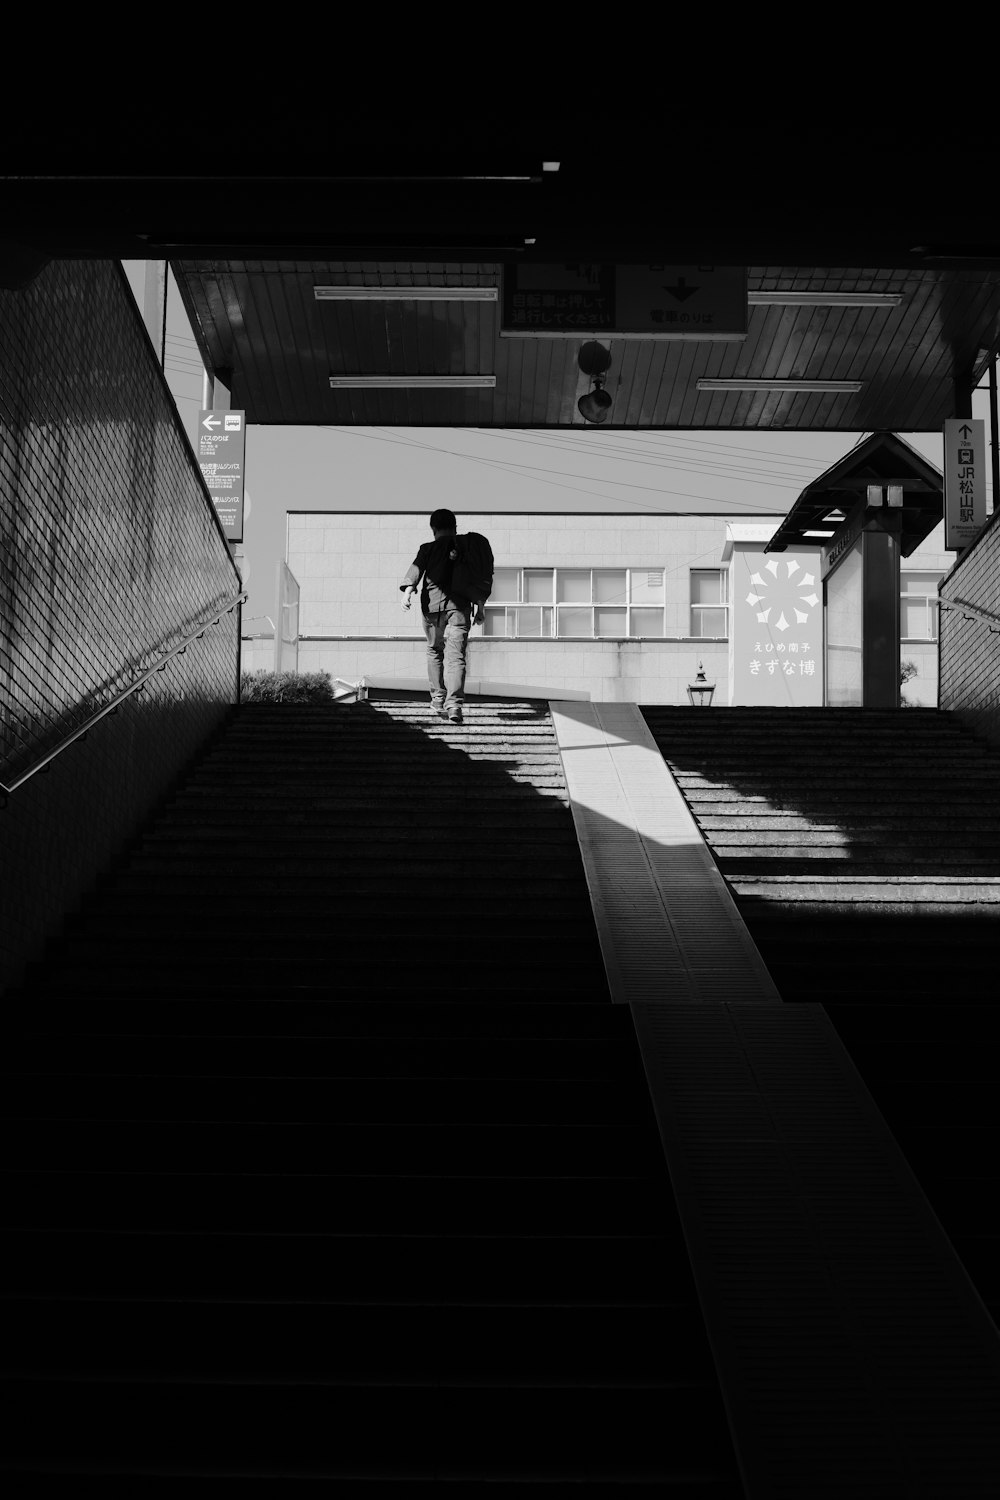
{"points": [[617, 608]]}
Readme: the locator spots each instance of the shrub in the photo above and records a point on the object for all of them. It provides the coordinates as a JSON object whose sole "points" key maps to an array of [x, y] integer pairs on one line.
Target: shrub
{"points": [[285, 687], [907, 669]]}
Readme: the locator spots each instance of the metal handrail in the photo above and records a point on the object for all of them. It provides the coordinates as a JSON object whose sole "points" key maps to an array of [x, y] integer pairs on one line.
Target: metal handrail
{"points": [[970, 609], [116, 702]]}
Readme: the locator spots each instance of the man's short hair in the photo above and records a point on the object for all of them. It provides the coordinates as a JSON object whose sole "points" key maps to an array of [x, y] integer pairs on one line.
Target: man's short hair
{"points": [[443, 520]]}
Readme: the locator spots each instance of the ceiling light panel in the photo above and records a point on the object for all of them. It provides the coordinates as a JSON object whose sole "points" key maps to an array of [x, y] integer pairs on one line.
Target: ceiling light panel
{"points": [[405, 293], [411, 382], [834, 387], [824, 299]]}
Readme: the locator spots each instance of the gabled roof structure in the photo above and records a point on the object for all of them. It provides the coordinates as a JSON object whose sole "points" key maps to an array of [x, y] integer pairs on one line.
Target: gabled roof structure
{"points": [[905, 481]]}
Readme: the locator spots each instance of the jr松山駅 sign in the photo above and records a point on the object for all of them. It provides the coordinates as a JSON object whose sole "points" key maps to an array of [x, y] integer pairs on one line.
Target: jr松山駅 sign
{"points": [[964, 481], [221, 456]]}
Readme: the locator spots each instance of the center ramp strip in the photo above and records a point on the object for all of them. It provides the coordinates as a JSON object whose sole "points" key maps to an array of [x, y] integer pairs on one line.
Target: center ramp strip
{"points": [[853, 1352], [668, 926]]}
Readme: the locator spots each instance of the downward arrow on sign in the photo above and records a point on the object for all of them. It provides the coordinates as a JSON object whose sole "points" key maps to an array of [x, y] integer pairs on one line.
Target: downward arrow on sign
{"points": [[682, 291]]}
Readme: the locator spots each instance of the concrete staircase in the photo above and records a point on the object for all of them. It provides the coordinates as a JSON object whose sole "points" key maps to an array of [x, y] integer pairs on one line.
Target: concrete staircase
{"points": [[863, 849], [333, 1160]]}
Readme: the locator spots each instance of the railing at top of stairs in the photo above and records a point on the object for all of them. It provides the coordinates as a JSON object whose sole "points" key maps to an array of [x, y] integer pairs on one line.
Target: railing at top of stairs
{"points": [[356, 690]]}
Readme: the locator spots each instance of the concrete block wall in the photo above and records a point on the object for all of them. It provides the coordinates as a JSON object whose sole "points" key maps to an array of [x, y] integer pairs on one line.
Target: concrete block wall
{"points": [[349, 566], [607, 671], [970, 640], [258, 654]]}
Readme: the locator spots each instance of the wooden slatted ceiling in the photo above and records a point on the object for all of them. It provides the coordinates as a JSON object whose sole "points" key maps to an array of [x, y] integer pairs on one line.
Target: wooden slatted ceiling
{"points": [[261, 320]]}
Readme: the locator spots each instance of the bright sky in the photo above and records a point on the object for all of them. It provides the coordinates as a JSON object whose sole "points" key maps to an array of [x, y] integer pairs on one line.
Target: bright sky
{"points": [[738, 474]]}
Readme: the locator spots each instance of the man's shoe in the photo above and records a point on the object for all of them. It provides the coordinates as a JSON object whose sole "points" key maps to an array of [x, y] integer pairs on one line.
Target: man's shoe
{"points": [[440, 713], [455, 716]]}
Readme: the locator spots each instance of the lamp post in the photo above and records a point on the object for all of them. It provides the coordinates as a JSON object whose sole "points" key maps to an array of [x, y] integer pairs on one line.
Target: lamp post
{"points": [[700, 692]]}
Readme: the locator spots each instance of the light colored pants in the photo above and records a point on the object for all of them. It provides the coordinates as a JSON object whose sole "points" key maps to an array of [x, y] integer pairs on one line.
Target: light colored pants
{"points": [[447, 641]]}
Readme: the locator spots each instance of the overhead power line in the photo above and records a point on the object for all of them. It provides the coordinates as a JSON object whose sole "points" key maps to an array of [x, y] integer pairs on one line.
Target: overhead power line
{"points": [[540, 478]]}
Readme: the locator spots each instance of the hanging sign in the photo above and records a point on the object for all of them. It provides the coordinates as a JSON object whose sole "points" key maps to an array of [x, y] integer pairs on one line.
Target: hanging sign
{"points": [[221, 455], [964, 481], [578, 299]]}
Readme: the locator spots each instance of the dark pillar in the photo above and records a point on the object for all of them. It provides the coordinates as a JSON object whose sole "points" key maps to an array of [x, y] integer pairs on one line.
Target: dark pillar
{"points": [[880, 604], [964, 385]]}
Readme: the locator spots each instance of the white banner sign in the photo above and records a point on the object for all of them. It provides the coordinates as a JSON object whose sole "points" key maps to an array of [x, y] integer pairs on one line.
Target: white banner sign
{"points": [[964, 481], [777, 628]]}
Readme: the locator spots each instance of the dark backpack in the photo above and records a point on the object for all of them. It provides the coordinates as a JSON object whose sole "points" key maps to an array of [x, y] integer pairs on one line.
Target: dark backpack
{"points": [[472, 570]]}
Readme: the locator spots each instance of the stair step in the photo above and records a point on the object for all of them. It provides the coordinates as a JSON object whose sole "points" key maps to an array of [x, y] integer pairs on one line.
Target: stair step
{"points": [[417, 860], [329, 1098], [595, 1060], [420, 1267], [335, 1203], [360, 905], [726, 825], [341, 1344], [902, 858], [411, 1148], [456, 839], [65, 989], [313, 1016], [516, 930], [270, 978], [451, 794], [549, 821], [454, 1432]]}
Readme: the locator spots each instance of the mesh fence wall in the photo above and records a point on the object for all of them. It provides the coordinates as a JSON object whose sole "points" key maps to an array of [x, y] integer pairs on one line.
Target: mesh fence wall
{"points": [[969, 681], [110, 554]]}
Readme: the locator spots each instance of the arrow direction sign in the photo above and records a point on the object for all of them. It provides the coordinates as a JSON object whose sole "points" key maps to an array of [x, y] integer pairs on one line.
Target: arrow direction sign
{"points": [[964, 481], [221, 456], [682, 291], [577, 301]]}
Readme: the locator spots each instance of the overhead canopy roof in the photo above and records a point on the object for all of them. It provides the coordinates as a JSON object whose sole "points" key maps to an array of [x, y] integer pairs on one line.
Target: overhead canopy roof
{"points": [[260, 324], [828, 503], [824, 210]]}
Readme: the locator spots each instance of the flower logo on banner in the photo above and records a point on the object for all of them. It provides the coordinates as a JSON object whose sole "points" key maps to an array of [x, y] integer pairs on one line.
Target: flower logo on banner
{"points": [[783, 594]]}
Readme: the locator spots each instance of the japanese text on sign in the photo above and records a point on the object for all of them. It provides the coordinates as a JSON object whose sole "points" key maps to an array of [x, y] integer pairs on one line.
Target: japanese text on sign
{"points": [[559, 300], [964, 480], [221, 458]]}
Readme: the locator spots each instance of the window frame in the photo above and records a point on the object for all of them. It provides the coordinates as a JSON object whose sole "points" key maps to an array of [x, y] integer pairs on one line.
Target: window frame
{"points": [[696, 607], [932, 604], [508, 611]]}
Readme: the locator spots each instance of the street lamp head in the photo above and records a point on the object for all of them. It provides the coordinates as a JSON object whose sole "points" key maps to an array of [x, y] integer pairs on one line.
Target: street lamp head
{"points": [[701, 692]]}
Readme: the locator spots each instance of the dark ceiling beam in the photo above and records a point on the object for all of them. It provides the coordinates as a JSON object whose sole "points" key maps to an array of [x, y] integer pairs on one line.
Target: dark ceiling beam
{"points": [[725, 217]]}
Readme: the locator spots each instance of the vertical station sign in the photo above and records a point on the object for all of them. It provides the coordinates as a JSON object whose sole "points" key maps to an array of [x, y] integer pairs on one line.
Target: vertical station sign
{"points": [[222, 454], [964, 481]]}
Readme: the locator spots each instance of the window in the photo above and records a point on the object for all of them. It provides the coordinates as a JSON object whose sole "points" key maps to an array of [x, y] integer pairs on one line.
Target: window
{"points": [[576, 602], [709, 601], [918, 606]]}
